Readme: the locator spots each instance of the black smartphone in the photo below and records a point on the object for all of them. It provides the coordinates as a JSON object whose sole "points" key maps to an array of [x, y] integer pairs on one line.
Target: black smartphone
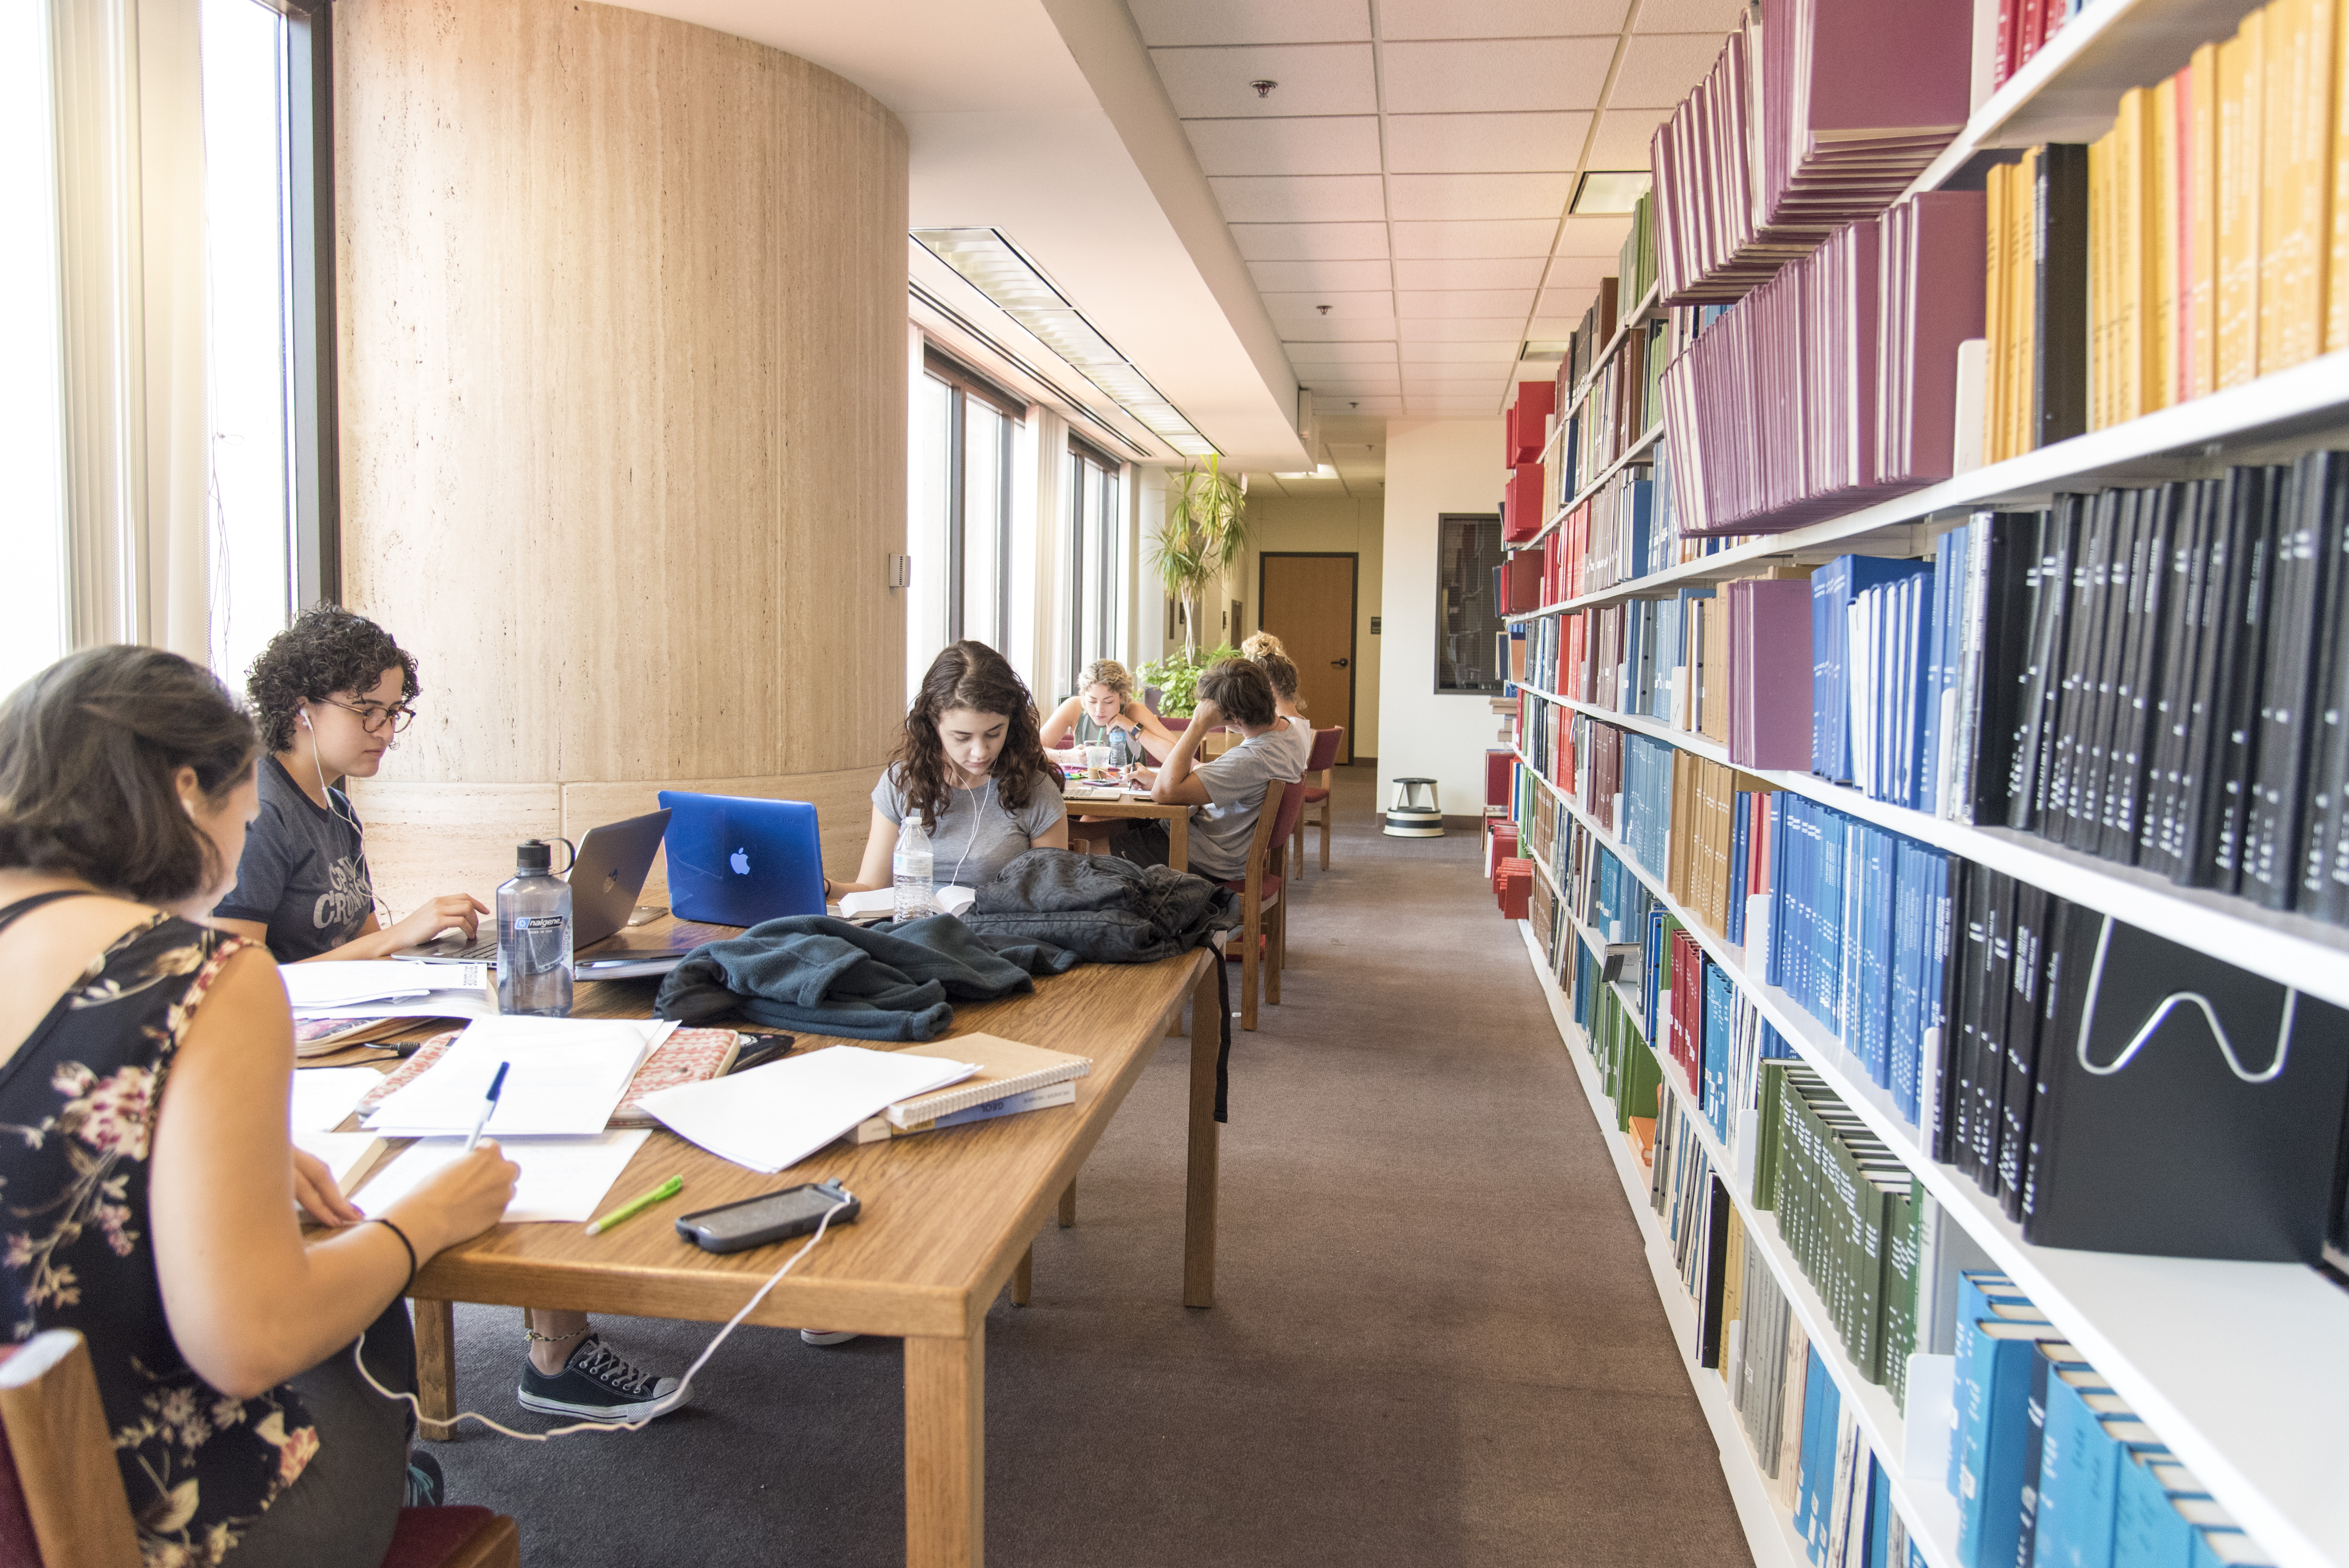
{"points": [[769, 1217], [758, 1050]]}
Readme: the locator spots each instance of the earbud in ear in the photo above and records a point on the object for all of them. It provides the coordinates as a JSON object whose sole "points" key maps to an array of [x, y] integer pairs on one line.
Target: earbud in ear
{"points": [[305, 717]]}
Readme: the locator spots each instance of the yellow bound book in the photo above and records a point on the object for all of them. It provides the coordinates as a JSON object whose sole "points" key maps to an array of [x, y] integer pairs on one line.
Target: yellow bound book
{"points": [[2100, 279], [2295, 184], [2241, 77], [2336, 285], [2161, 247], [2001, 350], [2201, 271], [2128, 258], [2023, 293]]}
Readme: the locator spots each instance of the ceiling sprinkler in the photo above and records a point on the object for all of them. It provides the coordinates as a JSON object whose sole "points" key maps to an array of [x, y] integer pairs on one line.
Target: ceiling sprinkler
{"points": [[1264, 86], [1322, 308]]}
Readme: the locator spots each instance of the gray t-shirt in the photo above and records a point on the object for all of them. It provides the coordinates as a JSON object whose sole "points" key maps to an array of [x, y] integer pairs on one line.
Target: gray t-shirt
{"points": [[1297, 740], [304, 871], [976, 835], [1220, 830]]}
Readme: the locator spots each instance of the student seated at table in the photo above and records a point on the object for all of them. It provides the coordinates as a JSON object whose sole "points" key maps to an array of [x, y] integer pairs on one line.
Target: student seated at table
{"points": [[1294, 731], [153, 1210], [1227, 795], [331, 693], [972, 766], [1105, 711]]}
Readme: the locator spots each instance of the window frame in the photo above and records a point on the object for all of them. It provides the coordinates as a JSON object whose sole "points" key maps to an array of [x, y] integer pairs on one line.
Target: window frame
{"points": [[1085, 454], [963, 384], [1444, 521]]}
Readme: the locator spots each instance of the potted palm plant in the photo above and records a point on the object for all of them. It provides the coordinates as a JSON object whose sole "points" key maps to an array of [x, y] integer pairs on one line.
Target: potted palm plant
{"points": [[1197, 546]]}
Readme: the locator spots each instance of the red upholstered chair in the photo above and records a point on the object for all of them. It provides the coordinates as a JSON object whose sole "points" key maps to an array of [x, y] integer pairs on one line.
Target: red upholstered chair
{"points": [[1316, 805], [1265, 935], [61, 1500]]}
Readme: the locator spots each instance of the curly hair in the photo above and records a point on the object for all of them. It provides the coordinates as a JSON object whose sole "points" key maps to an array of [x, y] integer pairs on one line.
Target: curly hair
{"points": [[1279, 670], [328, 649], [1258, 644], [971, 675], [89, 749], [1241, 689], [1107, 673]]}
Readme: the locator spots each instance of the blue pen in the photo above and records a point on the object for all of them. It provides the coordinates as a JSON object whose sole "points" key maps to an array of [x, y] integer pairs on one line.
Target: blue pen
{"points": [[489, 1105]]}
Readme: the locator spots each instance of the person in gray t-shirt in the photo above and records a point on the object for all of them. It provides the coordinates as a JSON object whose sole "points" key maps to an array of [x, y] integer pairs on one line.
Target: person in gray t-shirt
{"points": [[972, 768], [1227, 795]]}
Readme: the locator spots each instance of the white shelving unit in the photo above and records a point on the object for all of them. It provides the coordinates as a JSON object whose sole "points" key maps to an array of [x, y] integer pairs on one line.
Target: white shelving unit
{"points": [[2242, 1368], [2290, 949], [1642, 312]]}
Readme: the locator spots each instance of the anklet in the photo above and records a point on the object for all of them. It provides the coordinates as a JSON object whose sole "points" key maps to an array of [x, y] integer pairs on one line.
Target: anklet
{"points": [[536, 1337]]}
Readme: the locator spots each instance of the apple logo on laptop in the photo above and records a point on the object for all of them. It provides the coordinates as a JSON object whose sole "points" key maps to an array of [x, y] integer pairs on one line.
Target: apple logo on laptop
{"points": [[741, 860]]}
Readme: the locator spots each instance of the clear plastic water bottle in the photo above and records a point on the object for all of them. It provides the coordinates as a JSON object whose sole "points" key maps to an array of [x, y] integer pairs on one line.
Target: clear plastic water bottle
{"points": [[1120, 750], [916, 895], [535, 936]]}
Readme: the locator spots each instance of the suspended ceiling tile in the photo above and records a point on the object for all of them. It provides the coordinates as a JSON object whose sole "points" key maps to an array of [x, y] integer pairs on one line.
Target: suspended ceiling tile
{"points": [[1305, 309], [1175, 22], [1658, 68], [1311, 241], [1506, 330], [1344, 145], [1314, 79], [1360, 352], [1496, 143], [1567, 304], [1493, 75], [1554, 328], [1337, 329], [1341, 404], [1502, 237], [1354, 387], [1623, 136], [1498, 18], [1419, 304], [1309, 275], [1718, 18], [1593, 236], [1496, 272], [1446, 196], [1495, 354], [1301, 198]]}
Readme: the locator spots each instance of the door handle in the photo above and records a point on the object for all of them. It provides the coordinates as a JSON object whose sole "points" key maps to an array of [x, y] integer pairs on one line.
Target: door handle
{"points": [[1339, 663]]}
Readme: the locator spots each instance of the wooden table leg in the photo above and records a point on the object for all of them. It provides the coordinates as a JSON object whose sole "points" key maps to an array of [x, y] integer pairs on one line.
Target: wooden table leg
{"points": [[1178, 840], [1023, 1278], [1069, 1204], [946, 1450], [436, 1369], [1199, 1197]]}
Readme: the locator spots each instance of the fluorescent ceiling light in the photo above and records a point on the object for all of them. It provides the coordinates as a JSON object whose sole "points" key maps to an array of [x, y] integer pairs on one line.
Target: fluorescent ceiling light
{"points": [[996, 268], [1603, 192], [1319, 471]]}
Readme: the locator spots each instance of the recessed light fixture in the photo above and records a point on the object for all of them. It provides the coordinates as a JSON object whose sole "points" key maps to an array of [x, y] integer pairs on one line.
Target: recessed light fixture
{"points": [[1601, 192], [1318, 472], [996, 268]]}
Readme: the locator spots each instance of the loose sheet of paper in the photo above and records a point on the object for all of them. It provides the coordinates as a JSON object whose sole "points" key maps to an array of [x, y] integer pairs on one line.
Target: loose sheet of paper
{"points": [[421, 1005], [564, 1076], [373, 980], [778, 1115], [562, 1178], [324, 1096], [345, 1153]]}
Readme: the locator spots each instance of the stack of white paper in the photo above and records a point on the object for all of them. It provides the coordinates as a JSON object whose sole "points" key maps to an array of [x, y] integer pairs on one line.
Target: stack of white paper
{"points": [[564, 1076], [388, 988], [323, 1096], [562, 1178], [778, 1115]]}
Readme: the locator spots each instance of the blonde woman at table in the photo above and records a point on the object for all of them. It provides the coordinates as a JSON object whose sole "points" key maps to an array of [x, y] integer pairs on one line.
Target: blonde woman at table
{"points": [[145, 1064], [1105, 711], [332, 694]]}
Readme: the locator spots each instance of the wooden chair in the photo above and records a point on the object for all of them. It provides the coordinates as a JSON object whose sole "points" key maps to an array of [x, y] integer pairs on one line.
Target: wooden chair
{"points": [[1264, 935], [1326, 743], [61, 1500]]}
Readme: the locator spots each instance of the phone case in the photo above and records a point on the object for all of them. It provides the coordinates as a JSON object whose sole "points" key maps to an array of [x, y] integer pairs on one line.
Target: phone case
{"points": [[796, 1211]]}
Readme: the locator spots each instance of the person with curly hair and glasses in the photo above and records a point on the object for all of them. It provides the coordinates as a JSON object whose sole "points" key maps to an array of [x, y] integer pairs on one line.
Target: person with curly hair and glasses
{"points": [[331, 692]]}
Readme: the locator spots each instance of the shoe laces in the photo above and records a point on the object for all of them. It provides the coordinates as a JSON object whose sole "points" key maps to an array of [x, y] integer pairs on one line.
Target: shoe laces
{"points": [[598, 1360]]}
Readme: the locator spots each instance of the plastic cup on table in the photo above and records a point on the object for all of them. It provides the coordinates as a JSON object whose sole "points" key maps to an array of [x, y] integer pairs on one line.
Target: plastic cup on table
{"points": [[1097, 762]]}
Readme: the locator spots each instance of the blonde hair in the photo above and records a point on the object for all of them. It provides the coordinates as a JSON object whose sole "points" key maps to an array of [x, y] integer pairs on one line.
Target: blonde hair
{"points": [[1260, 644], [1108, 673], [1280, 669]]}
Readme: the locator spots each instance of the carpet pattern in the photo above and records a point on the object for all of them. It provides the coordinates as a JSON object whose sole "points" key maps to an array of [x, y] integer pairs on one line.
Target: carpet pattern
{"points": [[1435, 1341]]}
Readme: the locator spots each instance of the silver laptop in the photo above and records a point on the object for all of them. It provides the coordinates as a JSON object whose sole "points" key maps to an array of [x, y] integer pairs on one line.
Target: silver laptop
{"points": [[605, 881]]}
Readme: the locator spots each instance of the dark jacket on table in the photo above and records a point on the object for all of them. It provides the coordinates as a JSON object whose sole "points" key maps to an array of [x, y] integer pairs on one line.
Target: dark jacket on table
{"points": [[827, 977], [1104, 909]]}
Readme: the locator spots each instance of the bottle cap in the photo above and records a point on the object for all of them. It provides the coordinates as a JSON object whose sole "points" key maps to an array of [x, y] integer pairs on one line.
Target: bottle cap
{"points": [[532, 856]]}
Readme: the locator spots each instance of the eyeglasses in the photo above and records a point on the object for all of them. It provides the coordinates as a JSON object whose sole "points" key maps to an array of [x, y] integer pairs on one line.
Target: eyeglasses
{"points": [[375, 715]]}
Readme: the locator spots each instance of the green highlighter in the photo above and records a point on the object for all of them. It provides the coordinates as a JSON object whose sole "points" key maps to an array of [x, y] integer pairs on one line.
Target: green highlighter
{"points": [[637, 1205]]}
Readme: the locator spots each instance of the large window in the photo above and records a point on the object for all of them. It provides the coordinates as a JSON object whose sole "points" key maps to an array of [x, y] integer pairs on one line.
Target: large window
{"points": [[1468, 622], [1096, 558], [33, 618], [962, 499]]}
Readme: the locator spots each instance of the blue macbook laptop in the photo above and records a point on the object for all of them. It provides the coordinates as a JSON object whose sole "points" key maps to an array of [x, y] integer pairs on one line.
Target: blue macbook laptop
{"points": [[734, 860]]}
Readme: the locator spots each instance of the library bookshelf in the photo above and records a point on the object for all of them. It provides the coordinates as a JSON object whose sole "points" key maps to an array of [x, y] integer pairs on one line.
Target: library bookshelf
{"points": [[2238, 1367]]}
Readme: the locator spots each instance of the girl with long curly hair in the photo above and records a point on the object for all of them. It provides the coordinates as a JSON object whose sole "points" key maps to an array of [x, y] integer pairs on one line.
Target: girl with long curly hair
{"points": [[971, 767]]}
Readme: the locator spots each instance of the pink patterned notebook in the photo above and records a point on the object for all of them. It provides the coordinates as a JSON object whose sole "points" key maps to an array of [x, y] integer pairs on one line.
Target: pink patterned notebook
{"points": [[688, 1056]]}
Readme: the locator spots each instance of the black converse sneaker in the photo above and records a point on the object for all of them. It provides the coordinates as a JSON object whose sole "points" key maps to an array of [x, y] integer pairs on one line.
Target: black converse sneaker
{"points": [[598, 1385]]}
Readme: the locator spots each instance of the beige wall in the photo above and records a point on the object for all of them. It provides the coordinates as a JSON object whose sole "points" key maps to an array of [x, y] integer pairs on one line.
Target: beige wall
{"points": [[1434, 466], [621, 314], [1278, 523]]}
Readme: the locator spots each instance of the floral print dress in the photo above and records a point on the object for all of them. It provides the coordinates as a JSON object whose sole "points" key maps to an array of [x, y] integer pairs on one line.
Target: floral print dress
{"points": [[77, 1104]]}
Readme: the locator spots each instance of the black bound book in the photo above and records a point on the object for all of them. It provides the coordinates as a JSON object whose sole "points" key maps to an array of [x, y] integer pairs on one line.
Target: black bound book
{"points": [[2275, 824], [2184, 1107], [2060, 333], [2159, 827], [2032, 908], [2049, 592], [2012, 539], [2226, 678]]}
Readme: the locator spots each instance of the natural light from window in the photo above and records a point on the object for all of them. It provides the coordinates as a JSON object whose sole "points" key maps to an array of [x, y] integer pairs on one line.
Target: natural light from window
{"points": [[33, 599]]}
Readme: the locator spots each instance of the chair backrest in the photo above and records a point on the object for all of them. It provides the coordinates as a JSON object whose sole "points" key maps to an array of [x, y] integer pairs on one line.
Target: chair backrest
{"points": [[1264, 843], [61, 1460], [1325, 749], [1293, 806]]}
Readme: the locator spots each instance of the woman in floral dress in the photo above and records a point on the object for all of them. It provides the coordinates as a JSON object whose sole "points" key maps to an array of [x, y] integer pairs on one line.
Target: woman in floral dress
{"points": [[148, 1188]]}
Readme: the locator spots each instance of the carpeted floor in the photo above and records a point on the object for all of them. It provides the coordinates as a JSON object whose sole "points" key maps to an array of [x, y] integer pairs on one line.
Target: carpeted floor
{"points": [[1434, 1339]]}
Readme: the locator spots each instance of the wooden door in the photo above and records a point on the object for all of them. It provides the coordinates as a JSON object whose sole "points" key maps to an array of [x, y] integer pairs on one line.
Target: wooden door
{"points": [[1307, 602]]}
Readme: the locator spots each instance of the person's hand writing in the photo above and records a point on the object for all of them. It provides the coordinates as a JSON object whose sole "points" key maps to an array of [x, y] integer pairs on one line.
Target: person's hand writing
{"points": [[315, 1190], [457, 910], [460, 1200]]}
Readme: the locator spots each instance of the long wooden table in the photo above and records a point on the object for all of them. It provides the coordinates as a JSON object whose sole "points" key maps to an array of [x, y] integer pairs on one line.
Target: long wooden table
{"points": [[1176, 818], [948, 1218]]}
